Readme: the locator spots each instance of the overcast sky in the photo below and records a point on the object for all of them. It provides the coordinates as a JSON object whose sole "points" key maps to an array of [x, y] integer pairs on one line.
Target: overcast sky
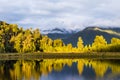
{"points": [[70, 14]]}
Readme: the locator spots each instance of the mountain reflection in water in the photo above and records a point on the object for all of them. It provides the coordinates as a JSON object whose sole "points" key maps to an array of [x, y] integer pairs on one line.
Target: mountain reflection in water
{"points": [[60, 69]]}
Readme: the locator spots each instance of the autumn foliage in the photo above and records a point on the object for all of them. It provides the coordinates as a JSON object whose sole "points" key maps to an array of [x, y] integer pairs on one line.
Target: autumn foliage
{"points": [[16, 39]]}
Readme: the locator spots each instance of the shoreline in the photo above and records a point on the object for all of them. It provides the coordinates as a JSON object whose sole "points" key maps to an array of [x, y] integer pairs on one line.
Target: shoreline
{"points": [[35, 56]]}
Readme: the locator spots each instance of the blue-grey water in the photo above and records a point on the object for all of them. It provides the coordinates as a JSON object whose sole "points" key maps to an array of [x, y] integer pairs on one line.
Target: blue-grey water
{"points": [[60, 69]]}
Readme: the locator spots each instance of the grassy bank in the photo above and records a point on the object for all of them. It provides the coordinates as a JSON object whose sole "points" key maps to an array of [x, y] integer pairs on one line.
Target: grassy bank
{"points": [[29, 56]]}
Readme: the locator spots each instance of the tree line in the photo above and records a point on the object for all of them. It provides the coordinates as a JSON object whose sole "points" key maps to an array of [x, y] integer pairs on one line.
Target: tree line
{"points": [[16, 39]]}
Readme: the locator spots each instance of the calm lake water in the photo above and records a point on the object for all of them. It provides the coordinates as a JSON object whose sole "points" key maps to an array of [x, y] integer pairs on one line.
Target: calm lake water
{"points": [[60, 69]]}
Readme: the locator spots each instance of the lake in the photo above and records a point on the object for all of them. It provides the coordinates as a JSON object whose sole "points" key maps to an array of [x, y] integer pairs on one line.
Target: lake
{"points": [[60, 69]]}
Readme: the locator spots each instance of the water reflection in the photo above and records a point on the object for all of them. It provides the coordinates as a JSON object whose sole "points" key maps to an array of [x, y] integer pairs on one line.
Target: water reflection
{"points": [[60, 69]]}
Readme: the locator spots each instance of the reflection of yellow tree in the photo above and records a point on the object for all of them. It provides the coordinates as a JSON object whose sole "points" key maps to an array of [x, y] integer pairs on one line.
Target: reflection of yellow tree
{"points": [[57, 67], [16, 73], [100, 68], [1, 72], [80, 66], [45, 67], [30, 69], [26, 68], [115, 68], [69, 62], [48, 65]]}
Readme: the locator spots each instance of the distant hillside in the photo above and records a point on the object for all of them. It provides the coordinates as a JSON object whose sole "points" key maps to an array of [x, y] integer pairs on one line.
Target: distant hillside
{"points": [[59, 35], [88, 35]]}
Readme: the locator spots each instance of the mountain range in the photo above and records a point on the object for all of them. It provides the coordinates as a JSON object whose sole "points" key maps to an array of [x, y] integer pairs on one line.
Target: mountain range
{"points": [[61, 33], [88, 34]]}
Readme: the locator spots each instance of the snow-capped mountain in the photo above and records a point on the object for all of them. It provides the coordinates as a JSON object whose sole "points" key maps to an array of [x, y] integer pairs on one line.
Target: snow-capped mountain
{"points": [[58, 30], [61, 33]]}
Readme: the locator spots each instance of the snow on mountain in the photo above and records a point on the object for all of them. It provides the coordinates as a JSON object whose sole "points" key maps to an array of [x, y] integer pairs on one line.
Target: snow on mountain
{"points": [[58, 30]]}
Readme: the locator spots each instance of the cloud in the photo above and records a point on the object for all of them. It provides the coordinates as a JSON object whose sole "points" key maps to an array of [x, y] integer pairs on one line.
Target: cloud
{"points": [[60, 13]]}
